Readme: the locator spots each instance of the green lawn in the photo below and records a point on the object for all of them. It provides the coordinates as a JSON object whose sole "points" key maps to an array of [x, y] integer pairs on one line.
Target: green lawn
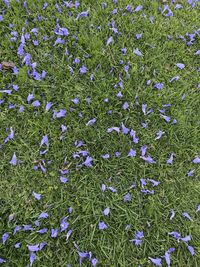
{"points": [[132, 65]]}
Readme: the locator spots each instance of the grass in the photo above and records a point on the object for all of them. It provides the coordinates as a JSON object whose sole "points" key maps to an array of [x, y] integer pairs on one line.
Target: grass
{"points": [[148, 213]]}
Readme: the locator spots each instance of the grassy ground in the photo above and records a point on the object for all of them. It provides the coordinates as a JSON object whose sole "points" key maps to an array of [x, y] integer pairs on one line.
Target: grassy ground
{"points": [[165, 41]]}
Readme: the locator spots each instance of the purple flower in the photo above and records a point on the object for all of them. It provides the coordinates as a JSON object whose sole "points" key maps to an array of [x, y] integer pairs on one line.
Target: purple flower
{"points": [[63, 128], [106, 156], [139, 234], [42, 231], [138, 36], [34, 248], [103, 187], [64, 224], [126, 68], [9, 92], [191, 250], [144, 125], [17, 229], [59, 41], [123, 50], [83, 255], [2, 260], [17, 245], [88, 162], [190, 173], [138, 238], [63, 179], [27, 59], [62, 32], [5, 237], [20, 50], [144, 106], [28, 227], [127, 197], [148, 159], [159, 86], [166, 118], [175, 235], [91, 122], [186, 238], [14, 160], [187, 216], [45, 140], [43, 215], [43, 75], [10, 136], [15, 87], [134, 137], [159, 135], [82, 14], [167, 256], [68, 234], [116, 129], [197, 53], [169, 13], [143, 150], [119, 95], [35, 42], [109, 40], [59, 114], [48, 106], [77, 60], [94, 262], [102, 226], [124, 129], [15, 70], [132, 153], [83, 69], [154, 183], [196, 160], [70, 210], [21, 109], [147, 192], [137, 52], [143, 182], [129, 8], [112, 189], [45, 5], [32, 258], [30, 97], [137, 242], [198, 208], [36, 196], [170, 159], [178, 6], [75, 101], [117, 154], [157, 261], [138, 8], [180, 65], [176, 78], [148, 82], [106, 211], [54, 233]]}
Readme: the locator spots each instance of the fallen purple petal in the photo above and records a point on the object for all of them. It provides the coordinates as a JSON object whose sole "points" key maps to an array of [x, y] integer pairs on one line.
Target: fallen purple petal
{"points": [[102, 226], [14, 160], [157, 261], [191, 250], [196, 160]]}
